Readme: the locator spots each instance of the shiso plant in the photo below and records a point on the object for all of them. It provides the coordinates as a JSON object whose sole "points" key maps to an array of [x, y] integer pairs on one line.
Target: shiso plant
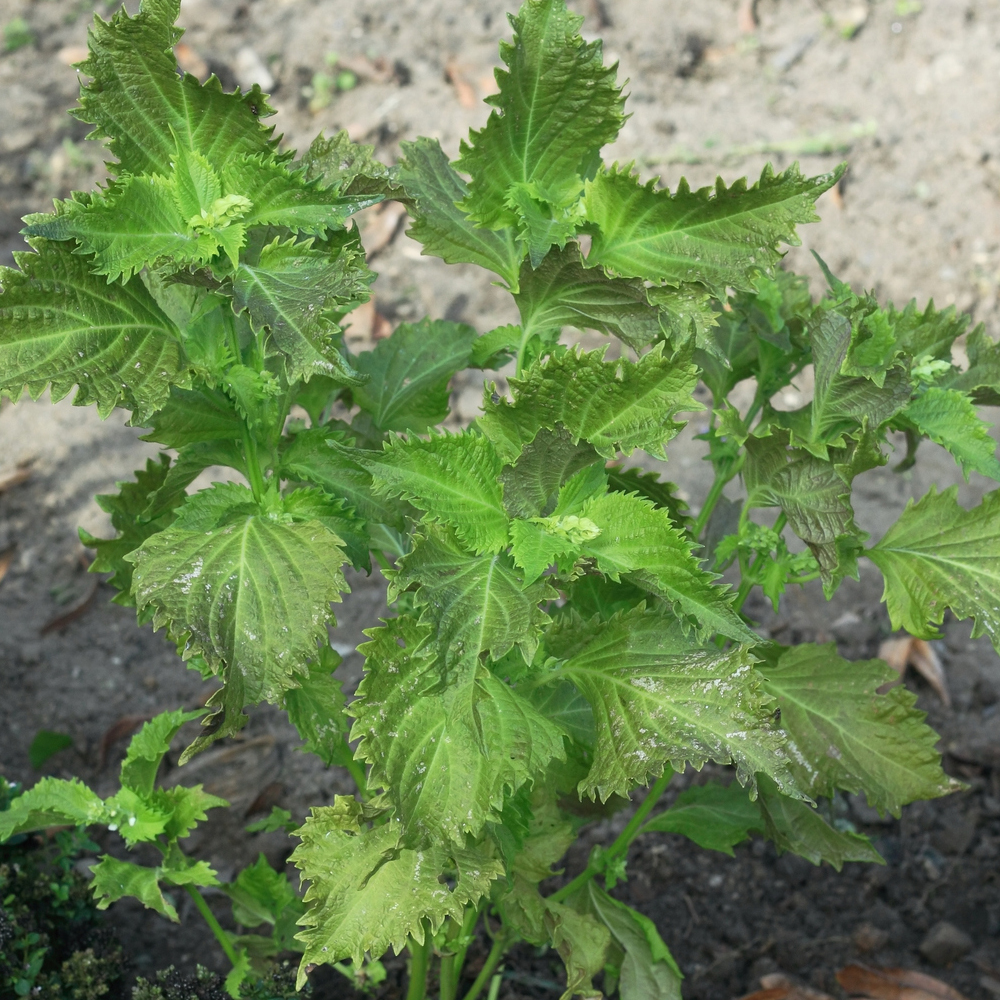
{"points": [[557, 635]]}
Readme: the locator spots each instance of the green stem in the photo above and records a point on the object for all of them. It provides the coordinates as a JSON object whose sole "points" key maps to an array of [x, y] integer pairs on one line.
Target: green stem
{"points": [[448, 979], [419, 961], [220, 935], [253, 463], [462, 942], [779, 525], [492, 960], [622, 841], [708, 506]]}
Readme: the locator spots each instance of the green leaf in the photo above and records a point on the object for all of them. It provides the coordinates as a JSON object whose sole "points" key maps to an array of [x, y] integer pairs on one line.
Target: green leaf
{"points": [[843, 734], [292, 290], [557, 106], [316, 708], [647, 969], [873, 346], [147, 748], [939, 556], [718, 817], [982, 378], [582, 943], [193, 416], [440, 225], [647, 485], [640, 540], [366, 894], [192, 460], [127, 509], [114, 879], [719, 237], [841, 403], [337, 515], [260, 894], [247, 590], [138, 818], [714, 816], [62, 326], [929, 333], [139, 102], [798, 827], [447, 758], [279, 196], [52, 802], [319, 456], [46, 744], [532, 482], [136, 224], [474, 603], [561, 291], [188, 806], [277, 819], [615, 405], [349, 167], [810, 491], [494, 349], [410, 371], [686, 314], [948, 417], [453, 478], [658, 699]]}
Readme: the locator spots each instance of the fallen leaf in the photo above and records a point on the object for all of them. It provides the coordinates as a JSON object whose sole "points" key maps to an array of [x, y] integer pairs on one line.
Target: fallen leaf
{"points": [[6, 558], [20, 475], [778, 982], [464, 90], [190, 61], [918, 653], [894, 984], [746, 16], [381, 227], [61, 621], [118, 730], [70, 54]]}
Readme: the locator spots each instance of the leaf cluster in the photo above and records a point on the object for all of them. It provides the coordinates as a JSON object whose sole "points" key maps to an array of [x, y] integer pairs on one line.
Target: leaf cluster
{"points": [[557, 632]]}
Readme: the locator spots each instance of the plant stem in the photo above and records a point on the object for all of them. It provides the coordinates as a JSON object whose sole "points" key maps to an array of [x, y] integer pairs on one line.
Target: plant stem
{"points": [[708, 506], [220, 935], [492, 960], [419, 961], [623, 840], [448, 978], [253, 463], [463, 940]]}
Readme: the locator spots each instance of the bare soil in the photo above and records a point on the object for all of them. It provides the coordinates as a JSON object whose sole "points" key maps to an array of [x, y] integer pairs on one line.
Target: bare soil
{"points": [[909, 100]]}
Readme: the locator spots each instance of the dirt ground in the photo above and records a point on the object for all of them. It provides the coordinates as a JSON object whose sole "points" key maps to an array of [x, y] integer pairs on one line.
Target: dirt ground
{"points": [[905, 92]]}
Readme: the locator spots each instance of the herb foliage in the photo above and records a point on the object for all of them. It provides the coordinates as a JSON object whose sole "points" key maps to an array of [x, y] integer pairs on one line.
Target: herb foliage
{"points": [[557, 629]]}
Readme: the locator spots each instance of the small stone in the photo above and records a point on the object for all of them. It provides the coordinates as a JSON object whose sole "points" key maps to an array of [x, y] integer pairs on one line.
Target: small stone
{"points": [[870, 938], [945, 944]]}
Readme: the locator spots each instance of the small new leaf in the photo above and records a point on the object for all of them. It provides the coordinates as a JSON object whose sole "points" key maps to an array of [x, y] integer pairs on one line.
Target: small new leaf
{"points": [[557, 106], [948, 417]]}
